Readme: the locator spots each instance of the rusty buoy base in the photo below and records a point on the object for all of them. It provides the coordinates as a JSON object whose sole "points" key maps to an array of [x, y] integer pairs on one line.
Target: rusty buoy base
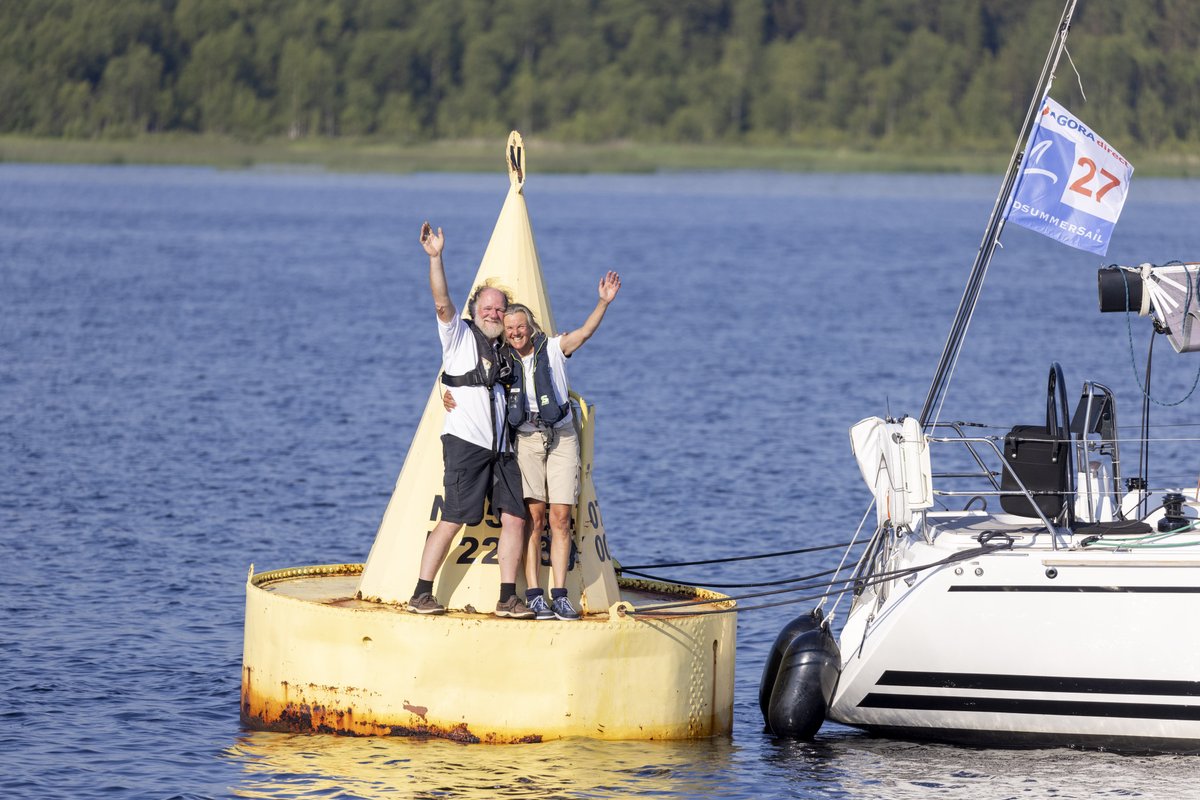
{"points": [[317, 660]]}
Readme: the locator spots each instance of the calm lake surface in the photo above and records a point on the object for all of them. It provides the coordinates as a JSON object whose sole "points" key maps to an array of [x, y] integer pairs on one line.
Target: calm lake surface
{"points": [[200, 370]]}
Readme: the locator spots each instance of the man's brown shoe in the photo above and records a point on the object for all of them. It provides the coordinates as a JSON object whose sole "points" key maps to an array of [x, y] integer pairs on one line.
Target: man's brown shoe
{"points": [[514, 607], [425, 603]]}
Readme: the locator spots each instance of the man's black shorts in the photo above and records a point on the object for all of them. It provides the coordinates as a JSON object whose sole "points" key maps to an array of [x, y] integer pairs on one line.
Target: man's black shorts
{"points": [[474, 473]]}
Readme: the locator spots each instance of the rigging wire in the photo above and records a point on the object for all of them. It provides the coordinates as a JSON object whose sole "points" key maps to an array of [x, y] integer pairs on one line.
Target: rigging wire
{"points": [[1078, 77], [845, 555], [1124, 439], [996, 427]]}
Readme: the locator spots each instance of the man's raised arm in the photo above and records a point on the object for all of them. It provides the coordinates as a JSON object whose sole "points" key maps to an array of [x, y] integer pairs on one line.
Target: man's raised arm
{"points": [[434, 243]]}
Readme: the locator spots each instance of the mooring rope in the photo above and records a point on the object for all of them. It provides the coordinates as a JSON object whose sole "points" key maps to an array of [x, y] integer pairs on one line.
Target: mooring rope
{"points": [[837, 546], [710, 585], [651, 610], [859, 584]]}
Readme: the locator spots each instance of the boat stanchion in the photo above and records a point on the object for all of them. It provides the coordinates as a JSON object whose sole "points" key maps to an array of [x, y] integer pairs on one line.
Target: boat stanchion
{"points": [[799, 677]]}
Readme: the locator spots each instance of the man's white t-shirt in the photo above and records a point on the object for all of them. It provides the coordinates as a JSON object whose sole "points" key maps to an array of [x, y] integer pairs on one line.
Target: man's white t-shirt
{"points": [[472, 419], [558, 377]]}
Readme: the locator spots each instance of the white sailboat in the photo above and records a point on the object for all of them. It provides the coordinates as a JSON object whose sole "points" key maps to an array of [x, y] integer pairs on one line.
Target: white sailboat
{"points": [[1047, 605]]}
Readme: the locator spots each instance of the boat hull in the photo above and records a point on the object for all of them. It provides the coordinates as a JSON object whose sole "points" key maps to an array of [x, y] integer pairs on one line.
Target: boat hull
{"points": [[318, 660], [1029, 647]]}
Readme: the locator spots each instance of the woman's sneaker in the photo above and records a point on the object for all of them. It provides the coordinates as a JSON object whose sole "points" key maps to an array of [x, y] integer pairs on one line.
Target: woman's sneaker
{"points": [[562, 609], [514, 607], [540, 608]]}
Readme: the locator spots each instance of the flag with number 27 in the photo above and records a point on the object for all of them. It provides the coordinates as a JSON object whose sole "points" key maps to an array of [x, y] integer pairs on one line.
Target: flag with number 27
{"points": [[1072, 184]]}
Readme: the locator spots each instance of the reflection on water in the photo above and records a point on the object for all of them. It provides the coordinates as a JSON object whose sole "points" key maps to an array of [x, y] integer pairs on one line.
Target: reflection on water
{"points": [[850, 764], [840, 764], [296, 765]]}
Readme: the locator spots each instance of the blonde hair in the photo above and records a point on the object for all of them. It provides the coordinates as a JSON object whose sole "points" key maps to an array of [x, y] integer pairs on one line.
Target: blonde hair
{"points": [[520, 308]]}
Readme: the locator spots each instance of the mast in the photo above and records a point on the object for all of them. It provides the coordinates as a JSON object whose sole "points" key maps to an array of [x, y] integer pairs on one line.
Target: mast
{"points": [[991, 235]]}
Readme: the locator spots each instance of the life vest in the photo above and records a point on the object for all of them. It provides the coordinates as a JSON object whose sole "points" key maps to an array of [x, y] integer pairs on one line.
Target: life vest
{"points": [[491, 367], [548, 411]]}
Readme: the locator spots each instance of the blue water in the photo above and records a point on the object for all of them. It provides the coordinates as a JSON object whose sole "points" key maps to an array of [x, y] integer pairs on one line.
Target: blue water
{"points": [[200, 370]]}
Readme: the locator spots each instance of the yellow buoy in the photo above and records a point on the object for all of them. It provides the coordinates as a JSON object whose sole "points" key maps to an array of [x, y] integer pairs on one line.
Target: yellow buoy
{"points": [[331, 648]]}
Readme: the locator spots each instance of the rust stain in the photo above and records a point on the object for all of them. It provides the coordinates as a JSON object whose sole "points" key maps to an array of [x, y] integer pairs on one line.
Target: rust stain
{"points": [[458, 733], [420, 711], [299, 717], [533, 738], [247, 674]]}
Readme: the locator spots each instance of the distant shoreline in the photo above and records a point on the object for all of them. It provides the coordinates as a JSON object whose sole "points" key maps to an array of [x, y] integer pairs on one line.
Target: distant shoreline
{"points": [[478, 155]]}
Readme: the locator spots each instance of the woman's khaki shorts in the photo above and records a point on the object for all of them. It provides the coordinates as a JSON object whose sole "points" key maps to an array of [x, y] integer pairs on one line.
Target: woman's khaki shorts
{"points": [[551, 476]]}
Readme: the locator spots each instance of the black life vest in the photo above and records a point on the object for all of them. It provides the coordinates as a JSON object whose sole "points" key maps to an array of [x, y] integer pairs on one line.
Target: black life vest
{"points": [[491, 367], [548, 411]]}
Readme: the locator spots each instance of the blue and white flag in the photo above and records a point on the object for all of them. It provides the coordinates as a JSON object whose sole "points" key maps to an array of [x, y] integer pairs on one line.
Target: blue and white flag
{"points": [[1073, 183]]}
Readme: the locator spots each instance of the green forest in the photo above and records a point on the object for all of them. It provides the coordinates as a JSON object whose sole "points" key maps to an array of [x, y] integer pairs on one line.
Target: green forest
{"points": [[822, 73]]}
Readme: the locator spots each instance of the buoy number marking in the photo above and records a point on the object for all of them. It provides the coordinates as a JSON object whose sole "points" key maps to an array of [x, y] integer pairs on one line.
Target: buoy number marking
{"points": [[472, 545], [602, 548]]}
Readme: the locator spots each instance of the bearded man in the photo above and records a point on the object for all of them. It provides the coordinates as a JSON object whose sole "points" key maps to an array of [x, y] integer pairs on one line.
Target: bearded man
{"points": [[476, 452]]}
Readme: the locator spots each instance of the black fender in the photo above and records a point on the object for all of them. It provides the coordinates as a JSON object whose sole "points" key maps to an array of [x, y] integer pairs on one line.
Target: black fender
{"points": [[805, 680], [802, 624]]}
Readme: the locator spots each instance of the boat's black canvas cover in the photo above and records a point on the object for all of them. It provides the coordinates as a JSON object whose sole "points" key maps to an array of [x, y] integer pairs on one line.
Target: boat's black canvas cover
{"points": [[1040, 460]]}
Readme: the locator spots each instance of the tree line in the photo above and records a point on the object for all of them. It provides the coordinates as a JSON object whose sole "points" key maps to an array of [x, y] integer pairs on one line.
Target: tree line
{"points": [[857, 73]]}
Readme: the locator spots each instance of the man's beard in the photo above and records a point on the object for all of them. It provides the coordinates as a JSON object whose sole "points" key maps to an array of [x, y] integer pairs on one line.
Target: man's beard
{"points": [[491, 330]]}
